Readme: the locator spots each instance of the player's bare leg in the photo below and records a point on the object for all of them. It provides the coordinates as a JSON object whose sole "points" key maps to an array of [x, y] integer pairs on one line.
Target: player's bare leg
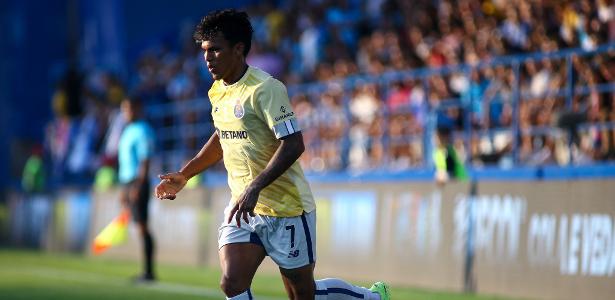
{"points": [[299, 283], [239, 263]]}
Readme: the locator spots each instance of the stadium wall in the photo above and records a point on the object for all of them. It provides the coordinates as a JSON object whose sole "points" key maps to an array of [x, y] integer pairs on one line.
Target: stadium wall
{"points": [[532, 239]]}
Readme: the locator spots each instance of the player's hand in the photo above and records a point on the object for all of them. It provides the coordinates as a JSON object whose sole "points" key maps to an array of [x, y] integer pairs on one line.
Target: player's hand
{"points": [[244, 206], [170, 185]]}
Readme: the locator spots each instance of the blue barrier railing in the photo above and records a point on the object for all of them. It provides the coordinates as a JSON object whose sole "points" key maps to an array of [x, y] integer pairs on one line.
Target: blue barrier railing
{"points": [[514, 62]]}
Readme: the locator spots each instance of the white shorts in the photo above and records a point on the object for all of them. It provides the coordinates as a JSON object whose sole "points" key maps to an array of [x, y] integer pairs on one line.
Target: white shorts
{"points": [[289, 241]]}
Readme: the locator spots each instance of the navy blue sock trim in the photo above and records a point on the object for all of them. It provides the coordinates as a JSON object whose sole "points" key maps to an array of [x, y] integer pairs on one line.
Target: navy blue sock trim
{"points": [[339, 291], [308, 238], [250, 295]]}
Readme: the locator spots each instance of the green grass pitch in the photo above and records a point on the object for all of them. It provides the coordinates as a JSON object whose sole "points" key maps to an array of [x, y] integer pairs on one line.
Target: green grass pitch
{"points": [[36, 275]]}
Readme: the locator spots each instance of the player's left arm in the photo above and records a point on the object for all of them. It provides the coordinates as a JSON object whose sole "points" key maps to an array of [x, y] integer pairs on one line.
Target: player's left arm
{"points": [[289, 150]]}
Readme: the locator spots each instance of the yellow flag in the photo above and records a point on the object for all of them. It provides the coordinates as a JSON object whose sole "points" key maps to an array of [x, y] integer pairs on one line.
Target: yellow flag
{"points": [[113, 234]]}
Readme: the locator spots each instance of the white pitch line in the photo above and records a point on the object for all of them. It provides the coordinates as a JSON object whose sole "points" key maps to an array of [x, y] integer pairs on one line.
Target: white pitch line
{"points": [[86, 277]]}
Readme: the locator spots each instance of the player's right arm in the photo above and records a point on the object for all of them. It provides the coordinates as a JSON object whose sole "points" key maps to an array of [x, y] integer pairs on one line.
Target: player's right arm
{"points": [[172, 183]]}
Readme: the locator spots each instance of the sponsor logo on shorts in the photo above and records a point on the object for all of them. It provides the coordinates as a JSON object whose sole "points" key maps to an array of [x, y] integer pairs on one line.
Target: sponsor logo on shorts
{"points": [[292, 254]]}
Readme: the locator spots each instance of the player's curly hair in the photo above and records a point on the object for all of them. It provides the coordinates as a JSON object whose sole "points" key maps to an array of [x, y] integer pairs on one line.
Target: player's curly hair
{"points": [[234, 25]]}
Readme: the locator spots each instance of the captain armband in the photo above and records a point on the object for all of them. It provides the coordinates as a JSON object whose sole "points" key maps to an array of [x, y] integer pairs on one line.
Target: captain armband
{"points": [[285, 128]]}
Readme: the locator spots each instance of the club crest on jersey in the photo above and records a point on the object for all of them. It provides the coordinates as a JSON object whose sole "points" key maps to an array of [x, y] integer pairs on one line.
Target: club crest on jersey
{"points": [[238, 109]]}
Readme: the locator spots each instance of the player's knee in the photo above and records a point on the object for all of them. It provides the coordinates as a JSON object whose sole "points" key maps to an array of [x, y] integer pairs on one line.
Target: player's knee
{"points": [[303, 292], [233, 286]]}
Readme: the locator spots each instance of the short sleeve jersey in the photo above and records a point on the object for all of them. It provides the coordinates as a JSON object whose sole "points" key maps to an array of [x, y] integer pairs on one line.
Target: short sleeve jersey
{"points": [[136, 144], [251, 116]]}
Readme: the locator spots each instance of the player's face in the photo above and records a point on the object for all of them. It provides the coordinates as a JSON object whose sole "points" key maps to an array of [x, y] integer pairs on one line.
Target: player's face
{"points": [[222, 59]]}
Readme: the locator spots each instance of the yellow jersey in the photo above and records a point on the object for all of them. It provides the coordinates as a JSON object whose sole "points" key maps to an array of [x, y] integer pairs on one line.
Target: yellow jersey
{"points": [[251, 116]]}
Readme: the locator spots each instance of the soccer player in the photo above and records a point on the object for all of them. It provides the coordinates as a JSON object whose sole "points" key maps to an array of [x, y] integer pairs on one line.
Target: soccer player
{"points": [[134, 151], [272, 211]]}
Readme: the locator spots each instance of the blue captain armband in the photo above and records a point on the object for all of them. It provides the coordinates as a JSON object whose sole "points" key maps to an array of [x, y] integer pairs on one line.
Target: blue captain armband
{"points": [[285, 128]]}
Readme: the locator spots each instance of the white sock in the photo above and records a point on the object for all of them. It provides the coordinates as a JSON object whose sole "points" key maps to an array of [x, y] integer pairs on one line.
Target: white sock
{"points": [[337, 289], [247, 295]]}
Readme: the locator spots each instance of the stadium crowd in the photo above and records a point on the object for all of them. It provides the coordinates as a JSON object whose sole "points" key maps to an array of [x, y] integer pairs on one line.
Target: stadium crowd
{"points": [[371, 125]]}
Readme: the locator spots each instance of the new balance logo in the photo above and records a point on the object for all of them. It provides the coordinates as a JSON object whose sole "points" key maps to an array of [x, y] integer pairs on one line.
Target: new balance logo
{"points": [[293, 253]]}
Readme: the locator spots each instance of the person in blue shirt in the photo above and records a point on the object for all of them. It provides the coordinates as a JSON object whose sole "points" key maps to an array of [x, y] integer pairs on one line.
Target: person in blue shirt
{"points": [[135, 149]]}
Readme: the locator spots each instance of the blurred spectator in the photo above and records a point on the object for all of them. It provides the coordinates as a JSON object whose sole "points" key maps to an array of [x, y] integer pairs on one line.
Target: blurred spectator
{"points": [[366, 128], [33, 176], [473, 98], [266, 60], [307, 117], [105, 176], [449, 164], [399, 97], [59, 134], [332, 124], [84, 153]]}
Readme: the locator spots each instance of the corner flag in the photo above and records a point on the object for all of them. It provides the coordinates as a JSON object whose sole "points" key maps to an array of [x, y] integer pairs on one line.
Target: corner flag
{"points": [[113, 234]]}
